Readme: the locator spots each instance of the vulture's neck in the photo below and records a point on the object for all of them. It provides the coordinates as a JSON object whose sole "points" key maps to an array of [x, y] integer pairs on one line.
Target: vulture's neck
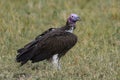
{"points": [[69, 27]]}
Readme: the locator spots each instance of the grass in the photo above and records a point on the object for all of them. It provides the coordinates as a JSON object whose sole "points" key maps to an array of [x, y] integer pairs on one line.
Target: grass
{"points": [[95, 56]]}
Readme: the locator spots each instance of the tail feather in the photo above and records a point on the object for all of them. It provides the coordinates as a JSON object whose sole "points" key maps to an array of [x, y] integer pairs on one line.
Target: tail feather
{"points": [[27, 46], [25, 55], [20, 50]]}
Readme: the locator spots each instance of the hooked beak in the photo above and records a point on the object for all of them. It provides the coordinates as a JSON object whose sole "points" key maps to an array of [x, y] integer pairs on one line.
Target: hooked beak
{"points": [[78, 19]]}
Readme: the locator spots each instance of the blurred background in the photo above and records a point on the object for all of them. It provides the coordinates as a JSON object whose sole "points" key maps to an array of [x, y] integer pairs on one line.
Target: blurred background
{"points": [[95, 56]]}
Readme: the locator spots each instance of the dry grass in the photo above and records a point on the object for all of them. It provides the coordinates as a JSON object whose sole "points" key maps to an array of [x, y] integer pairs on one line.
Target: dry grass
{"points": [[96, 55]]}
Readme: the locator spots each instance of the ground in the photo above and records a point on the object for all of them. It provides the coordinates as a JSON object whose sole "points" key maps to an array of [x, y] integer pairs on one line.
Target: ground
{"points": [[95, 56]]}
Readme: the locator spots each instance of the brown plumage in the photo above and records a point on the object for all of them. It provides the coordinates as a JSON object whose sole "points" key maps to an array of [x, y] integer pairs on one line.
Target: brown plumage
{"points": [[51, 44]]}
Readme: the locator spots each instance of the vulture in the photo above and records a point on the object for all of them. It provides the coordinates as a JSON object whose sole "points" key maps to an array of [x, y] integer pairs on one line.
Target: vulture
{"points": [[51, 44]]}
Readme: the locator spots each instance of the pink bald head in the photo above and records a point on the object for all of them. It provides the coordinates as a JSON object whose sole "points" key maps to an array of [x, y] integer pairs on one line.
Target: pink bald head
{"points": [[73, 18]]}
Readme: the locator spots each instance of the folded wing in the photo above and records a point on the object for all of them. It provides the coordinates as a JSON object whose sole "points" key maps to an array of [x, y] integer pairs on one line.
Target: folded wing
{"points": [[56, 42]]}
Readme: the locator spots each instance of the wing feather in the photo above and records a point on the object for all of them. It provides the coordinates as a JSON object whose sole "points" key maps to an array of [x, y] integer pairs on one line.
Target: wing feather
{"points": [[56, 43]]}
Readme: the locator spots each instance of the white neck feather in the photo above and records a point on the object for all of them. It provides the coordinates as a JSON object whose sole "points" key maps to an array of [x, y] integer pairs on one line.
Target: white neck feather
{"points": [[70, 30]]}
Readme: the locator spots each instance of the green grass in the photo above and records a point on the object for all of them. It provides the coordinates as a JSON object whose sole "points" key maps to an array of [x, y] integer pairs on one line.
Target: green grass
{"points": [[96, 56]]}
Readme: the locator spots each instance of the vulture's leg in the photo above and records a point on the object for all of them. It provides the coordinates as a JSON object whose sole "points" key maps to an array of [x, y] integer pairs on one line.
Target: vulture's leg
{"points": [[55, 61]]}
